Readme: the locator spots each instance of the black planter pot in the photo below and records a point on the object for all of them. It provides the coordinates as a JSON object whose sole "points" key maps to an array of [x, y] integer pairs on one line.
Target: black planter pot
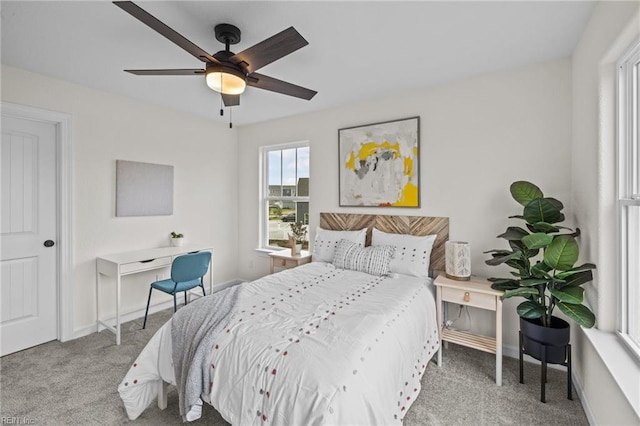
{"points": [[536, 337]]}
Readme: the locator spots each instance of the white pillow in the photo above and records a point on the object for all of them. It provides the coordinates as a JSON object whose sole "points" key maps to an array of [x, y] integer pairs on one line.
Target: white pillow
{"points": [[372, 260], [326, 242], [412, 254]]}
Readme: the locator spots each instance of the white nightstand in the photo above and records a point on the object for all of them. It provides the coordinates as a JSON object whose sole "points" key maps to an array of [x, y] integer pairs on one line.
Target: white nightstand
{"points": [[283, 259], [477, 293]]}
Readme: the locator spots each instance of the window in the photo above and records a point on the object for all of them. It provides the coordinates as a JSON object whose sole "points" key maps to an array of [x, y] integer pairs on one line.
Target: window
{"points": [[285, 192], [629, 197]]}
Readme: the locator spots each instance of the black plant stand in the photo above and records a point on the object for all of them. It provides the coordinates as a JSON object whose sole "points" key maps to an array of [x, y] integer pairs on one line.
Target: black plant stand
{"points": [[543, 369]]}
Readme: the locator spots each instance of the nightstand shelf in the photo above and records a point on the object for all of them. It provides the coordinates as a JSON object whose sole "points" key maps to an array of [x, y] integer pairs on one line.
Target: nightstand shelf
{"points": [[482, 343], [476, 293]]}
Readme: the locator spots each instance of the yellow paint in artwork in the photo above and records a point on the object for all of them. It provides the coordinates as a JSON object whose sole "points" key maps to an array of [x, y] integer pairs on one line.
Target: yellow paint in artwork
{"points": [[351, 162], [408, 166], [371, 148], [409, 197]]}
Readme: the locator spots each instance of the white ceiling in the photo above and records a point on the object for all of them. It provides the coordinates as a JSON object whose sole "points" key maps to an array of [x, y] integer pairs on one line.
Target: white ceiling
{"points": [[357, 50]]}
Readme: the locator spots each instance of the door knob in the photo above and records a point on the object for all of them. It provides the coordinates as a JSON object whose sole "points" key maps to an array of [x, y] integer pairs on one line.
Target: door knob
{"points": [[49, 243]]}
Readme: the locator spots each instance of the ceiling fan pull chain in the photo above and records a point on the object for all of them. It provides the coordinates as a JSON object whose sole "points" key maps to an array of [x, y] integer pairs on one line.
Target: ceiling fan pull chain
{"points": [[221, 110], [230, 115]]}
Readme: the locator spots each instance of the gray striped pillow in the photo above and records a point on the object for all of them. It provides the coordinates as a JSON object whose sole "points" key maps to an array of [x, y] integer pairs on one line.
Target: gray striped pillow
{"points": [[374, 260]]}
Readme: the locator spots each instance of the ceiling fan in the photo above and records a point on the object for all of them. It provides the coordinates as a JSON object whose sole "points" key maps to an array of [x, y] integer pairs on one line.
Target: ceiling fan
{"points": [[226, 72]]}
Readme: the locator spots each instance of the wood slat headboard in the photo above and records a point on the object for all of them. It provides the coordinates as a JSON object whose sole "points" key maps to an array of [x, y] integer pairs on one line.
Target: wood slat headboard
{"points": [[413, 225]]}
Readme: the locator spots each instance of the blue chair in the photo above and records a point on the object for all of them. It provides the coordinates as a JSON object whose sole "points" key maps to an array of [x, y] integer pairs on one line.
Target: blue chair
{"points": [[187, 272]]}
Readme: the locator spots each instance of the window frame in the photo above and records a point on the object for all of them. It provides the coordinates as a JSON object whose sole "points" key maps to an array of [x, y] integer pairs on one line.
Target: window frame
{"points": [[628, 185], [265, 198]]}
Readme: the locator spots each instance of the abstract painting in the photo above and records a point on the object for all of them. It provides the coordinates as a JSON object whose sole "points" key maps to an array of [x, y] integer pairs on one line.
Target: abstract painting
{"points": [[379, 164], [143, 189]]}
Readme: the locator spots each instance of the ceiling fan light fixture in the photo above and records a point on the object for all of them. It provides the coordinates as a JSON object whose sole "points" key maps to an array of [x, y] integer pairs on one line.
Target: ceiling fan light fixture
{"points": [[227, 81]]}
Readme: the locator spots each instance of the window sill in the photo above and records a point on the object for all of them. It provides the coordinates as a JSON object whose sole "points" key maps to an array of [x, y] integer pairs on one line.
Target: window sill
{"points": [[621, 364], [266, 252]]}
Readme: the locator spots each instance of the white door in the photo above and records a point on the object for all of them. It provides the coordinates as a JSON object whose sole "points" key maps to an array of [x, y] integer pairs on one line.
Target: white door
{"points": [[28, 260]]}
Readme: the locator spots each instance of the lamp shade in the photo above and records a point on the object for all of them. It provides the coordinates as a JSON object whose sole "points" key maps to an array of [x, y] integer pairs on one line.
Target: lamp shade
{"points": [[225, 80], [458, 260]]}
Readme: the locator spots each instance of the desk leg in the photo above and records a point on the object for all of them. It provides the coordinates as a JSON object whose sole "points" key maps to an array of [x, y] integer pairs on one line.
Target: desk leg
{"points": [[118, 281], [439, 321], [97, 300], [499, 341]]}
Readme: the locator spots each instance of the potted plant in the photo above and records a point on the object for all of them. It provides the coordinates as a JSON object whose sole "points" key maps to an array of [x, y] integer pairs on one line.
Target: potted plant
{"points": [[543, 256], [176, 239], [299, 231]]}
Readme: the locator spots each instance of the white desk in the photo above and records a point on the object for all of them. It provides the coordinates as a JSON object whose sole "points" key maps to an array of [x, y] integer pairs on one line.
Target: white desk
{"points": [[119, 265]]}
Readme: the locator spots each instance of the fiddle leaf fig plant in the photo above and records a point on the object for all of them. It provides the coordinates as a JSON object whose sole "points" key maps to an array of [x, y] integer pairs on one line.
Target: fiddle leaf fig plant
{"points": [[544, 257]]}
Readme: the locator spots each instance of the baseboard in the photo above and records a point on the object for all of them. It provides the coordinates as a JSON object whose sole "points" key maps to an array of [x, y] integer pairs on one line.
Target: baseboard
{"points": [[193, 294], [577, 386]]}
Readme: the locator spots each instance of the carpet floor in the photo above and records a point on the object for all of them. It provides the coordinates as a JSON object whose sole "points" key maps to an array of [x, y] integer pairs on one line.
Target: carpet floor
{"points": [[75, 383]]}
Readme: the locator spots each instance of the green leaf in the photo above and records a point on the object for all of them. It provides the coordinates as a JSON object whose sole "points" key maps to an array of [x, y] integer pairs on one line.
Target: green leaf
{"points": [[521, 291], [573, 295], [579, 313], [540, 269], [513, 233], [530, 309], [545, 227], [530, 282], [578, 278], [556, 203], [523, 192], [562, 253], [537, 241], [500, 259], [572, 271], [500, 251], [543, 210], [504, 284]]}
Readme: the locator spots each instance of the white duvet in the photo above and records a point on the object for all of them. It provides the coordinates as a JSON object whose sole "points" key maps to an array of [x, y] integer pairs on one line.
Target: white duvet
{"points": [[312, 345]]}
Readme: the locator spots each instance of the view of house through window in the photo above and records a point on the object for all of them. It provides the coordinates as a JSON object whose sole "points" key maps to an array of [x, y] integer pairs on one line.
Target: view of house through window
{"points": [[629, 197], [286, 192]]}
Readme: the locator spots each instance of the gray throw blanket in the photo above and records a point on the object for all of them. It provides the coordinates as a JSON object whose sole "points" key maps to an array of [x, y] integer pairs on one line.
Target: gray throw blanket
{"points": [[193, 331]]}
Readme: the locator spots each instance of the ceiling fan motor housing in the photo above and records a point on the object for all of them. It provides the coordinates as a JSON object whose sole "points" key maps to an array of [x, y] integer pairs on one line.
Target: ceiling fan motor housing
{"points": [[227, 33]]}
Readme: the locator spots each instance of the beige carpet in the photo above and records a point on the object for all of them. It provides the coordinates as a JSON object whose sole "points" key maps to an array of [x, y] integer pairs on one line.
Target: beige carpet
{"points": [[75, 383]]}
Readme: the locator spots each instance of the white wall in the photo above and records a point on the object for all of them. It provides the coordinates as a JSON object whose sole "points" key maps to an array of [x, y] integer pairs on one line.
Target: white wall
{"points": [[477, 136], [613, 26], [108, 127]]}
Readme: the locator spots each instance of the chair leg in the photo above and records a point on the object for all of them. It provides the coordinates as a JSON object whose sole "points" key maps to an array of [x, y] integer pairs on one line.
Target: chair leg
{"points": [[144, 324], [185, 298], [203, 293], [175, 303]]}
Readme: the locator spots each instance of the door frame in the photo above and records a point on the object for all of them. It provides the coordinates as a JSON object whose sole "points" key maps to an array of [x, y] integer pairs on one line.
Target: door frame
{"points": [[64, 280]]}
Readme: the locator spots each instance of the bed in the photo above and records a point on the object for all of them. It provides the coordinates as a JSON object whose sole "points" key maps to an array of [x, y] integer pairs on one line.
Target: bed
{"points": [[324, 343]]}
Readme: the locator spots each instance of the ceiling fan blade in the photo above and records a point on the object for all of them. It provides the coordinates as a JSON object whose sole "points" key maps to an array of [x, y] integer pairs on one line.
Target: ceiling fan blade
{"points": [[149, 20], [269, 83], [230, 100], [269, 50], [195, 71]]}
